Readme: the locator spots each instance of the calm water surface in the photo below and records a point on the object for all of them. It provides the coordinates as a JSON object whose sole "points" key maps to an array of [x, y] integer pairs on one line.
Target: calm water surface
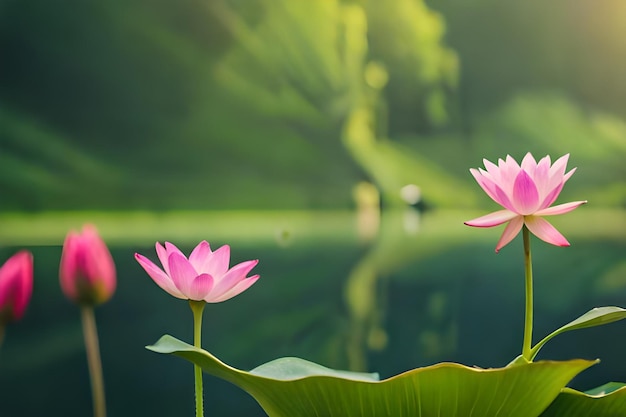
{"points": [[408, 292]]}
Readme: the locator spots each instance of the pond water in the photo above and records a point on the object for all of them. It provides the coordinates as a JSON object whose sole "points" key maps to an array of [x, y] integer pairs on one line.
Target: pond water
{"points": [[345, 291]]}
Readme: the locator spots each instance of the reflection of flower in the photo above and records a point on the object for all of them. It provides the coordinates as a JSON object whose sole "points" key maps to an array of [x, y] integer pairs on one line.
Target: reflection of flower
{"points": [[526, 192], [16, 286], [205, 276], [87, 270]]}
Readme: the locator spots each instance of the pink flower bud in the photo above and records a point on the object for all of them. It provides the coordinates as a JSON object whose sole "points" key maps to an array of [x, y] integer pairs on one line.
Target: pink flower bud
{"points": [[16, 286], [87, 270]]}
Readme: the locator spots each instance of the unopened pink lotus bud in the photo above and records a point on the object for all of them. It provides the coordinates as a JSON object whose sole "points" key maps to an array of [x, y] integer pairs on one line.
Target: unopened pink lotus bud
{"points": [[16, 286], [87, 271]]}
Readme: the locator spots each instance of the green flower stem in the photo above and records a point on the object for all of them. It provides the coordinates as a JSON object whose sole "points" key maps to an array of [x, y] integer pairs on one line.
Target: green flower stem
{"points": [[90, 333], [528, 322], [197, 307]]}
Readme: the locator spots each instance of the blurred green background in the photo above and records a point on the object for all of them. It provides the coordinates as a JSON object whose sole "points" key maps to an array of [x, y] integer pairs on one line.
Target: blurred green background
{"points": [[262, 104], [281, 127]]}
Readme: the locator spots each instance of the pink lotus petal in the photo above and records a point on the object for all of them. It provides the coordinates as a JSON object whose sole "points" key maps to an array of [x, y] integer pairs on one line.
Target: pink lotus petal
{"points": [[24, 282], [219, 261], [545, 231], [529, 164], [162, 254], [512, 163], [509, 170], [558, 168], [236, 274], [485, 183], [545, 162], [493, 170], [182, 272], [560, 209], [568, 175], [504, 200], [200, 287], [551, 196], [158, 276], [68, 267], [200, 256], [525, 194], [236, 290], [170, 248], [510, 231], [557, 190], [492, 219], [541, 177], [100, 267]]}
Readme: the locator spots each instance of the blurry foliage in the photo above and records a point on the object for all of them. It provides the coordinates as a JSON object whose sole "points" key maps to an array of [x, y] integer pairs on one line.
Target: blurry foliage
{"points": [[573, 46], [320, 65], [221, 105], [406, 35], [247, 104], [308, 61]]}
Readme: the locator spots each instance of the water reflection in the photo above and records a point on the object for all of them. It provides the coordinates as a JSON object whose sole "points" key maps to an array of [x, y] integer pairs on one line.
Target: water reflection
{"points": [[364, 294], [367, 296], [367, 199]]}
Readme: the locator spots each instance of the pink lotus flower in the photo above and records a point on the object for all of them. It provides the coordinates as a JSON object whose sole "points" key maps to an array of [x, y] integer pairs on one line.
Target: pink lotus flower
{"points": [[16, 286], [526, 192], [204, 276], [87, 271]]}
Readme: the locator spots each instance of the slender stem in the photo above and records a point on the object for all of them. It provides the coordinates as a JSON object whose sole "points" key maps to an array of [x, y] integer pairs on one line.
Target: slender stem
{"points": [[90, 333], [528, 323], [197, 307]]}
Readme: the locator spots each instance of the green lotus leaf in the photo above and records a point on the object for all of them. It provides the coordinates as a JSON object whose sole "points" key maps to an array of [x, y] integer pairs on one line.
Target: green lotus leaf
{"points": [[608, 400], [286, 369], [594, 317], [292, 387], [605, 389]]}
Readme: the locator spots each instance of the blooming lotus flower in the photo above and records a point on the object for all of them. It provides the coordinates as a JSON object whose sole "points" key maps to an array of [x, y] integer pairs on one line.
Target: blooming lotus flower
{"points": [[205, 276], [526, 193], [87, 271], [16, 286]]}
